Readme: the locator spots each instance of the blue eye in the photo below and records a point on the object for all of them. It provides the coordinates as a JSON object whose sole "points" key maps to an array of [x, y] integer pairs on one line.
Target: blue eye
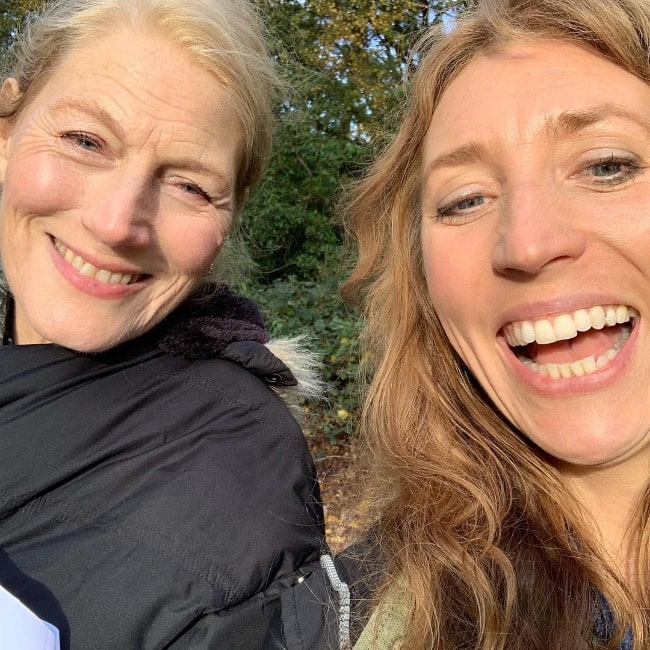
{"points": [[83, 140], [612, 170], [192, 188], [471, 202], [462, 208]]}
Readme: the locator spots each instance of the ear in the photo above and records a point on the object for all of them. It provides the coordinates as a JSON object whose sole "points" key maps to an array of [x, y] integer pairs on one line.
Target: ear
{"points": [[9, 95]]}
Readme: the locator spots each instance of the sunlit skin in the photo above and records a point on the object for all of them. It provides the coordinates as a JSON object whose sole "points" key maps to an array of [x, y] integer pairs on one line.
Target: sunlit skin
{"points": [[128, 157], [542, 207]]}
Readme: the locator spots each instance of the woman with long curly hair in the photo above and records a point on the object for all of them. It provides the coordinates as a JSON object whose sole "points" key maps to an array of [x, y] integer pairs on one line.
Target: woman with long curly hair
{"points": [[504, 271]]}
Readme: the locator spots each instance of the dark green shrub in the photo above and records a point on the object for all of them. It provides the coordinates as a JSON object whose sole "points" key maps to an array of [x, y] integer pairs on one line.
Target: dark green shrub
{"points": [[288, 223], [314, 308]]}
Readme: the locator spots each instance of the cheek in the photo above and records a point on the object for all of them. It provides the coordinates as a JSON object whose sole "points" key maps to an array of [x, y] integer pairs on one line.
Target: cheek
{"points": [[445, 279], [451, 283], [620, 222], [39, 185], [626, 223], [192, 247], [459, 272]]}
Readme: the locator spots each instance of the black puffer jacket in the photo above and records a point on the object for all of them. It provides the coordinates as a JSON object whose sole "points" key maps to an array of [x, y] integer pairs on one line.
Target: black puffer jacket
{"points": [[160, 495]]}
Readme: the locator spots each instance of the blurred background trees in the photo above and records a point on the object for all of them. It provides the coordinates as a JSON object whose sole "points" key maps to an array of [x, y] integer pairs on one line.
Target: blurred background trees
{"points": [[344, 61], [11, 13]]}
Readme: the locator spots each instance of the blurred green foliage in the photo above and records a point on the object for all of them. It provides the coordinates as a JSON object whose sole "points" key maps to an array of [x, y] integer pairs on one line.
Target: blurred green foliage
{"points": [[11, 14], [345, 63], [290, 223]]}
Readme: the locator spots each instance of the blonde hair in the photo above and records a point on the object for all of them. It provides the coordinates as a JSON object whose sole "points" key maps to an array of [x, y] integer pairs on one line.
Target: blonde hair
{"points": [[223, 36], [473, 519]]}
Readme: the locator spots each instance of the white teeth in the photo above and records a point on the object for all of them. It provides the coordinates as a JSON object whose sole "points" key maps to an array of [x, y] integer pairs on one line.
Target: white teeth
{"points": [[597, 315], [588, 365], [602, 361], [566, 326], [89, 270], [582, 319], [552, 370], [621, 314], [576, 369], [527, 332], [544, 332]]}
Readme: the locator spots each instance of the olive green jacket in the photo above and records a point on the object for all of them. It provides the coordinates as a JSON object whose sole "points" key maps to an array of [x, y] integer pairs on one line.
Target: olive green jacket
{"points": [[385, 629]]}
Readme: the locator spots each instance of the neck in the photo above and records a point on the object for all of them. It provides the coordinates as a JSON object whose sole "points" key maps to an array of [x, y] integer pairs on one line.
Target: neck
{"points": [[611, 497]]}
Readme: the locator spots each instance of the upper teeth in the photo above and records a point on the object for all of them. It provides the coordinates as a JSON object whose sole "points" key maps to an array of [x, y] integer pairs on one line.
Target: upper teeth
{"points": [[89, 270], [566, 326]]}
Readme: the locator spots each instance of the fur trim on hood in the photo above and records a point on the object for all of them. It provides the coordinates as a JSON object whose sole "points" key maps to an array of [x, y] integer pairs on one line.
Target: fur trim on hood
{"points": [[303, 365], [216, 323]]}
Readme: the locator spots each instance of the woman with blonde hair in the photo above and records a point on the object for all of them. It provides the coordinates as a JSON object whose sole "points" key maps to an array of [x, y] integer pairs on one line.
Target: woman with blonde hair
{"points": [[155, 491], [504, 270]]}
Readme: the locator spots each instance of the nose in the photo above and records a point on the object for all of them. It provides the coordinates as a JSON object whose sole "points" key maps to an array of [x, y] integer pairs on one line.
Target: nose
{"points": [[536, 230], [121, 211]]}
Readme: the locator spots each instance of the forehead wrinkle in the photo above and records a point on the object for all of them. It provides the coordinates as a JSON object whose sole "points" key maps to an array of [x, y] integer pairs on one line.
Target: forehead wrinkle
{"points": [[95, 110], [560, 126]]}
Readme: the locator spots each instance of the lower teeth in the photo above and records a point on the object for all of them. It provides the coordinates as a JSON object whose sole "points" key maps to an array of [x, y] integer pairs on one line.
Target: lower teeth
{"points": [[578, 368]]}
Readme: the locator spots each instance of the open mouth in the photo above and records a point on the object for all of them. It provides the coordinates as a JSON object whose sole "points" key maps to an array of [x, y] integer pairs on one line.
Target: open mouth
{"points": [[85, 268], [573, 344]]}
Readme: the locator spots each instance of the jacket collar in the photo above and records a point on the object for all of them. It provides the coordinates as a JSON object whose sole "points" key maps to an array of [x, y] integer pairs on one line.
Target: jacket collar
{"points": [[213, 323]]}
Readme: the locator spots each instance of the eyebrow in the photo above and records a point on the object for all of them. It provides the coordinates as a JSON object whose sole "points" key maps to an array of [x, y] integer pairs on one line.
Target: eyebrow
{"points": [[563, 125], [570, 123], [464, 155], [94, 109], [222, 183]]}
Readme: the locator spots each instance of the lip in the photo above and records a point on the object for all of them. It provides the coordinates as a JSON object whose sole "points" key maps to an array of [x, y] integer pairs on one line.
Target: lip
{"points": [[547, 386], [92, 286]]}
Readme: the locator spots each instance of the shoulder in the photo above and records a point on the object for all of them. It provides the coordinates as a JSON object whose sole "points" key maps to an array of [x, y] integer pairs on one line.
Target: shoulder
{"points": [[216, 441], [232, 451], [214, 494], [238, 411]]}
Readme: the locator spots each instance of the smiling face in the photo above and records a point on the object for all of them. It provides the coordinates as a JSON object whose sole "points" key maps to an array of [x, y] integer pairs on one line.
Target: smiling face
{"points": [[536, 241], [119, 183]]}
